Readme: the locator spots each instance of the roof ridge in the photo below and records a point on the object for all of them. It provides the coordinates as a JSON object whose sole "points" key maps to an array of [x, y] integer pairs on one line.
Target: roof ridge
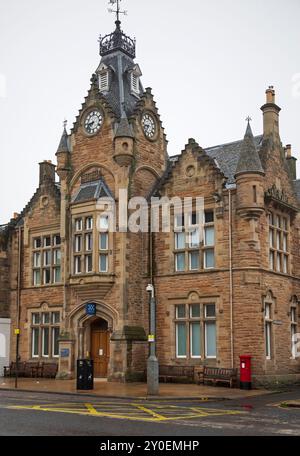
{"points": [[231, 143]]}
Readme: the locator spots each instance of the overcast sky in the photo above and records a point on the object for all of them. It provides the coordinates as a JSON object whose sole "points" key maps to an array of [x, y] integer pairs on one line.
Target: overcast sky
{"points": [[207, 61]]}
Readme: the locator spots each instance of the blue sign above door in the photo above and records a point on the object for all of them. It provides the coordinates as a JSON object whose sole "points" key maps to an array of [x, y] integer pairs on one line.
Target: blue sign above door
{"points": [[90, 309]]}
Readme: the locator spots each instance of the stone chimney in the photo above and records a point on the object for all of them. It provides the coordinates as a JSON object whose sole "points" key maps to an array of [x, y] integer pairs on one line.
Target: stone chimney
{"points": [[291, 161], [271, 114], [47, 172]]}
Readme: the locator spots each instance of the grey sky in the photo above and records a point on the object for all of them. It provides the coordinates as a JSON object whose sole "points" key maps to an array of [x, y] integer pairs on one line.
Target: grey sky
{"points": [[208, 62]]}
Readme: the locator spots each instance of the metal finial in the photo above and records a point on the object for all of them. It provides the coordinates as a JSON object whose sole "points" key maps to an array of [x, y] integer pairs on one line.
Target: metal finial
{"points": [[248, 119], [117, 11], [65, 124]]}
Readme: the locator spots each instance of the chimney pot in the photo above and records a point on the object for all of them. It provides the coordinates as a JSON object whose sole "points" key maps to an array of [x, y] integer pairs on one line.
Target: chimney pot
{"points": [[270, 93], [288, 151]]}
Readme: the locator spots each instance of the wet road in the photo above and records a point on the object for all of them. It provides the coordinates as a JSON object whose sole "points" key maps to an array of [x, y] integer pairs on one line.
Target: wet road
{"points": [[39, 414]]}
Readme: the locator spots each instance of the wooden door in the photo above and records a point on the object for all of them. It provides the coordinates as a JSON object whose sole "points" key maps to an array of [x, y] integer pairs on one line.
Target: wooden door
{"points": [[100, 352]]}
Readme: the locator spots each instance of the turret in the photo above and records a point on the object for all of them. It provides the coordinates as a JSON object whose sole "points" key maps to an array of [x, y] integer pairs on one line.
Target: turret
{"points": [[249, 179], [123, 143], [63, 155]]}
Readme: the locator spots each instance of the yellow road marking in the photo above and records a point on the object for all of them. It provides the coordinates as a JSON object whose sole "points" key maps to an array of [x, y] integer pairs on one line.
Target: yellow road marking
{"points": [[91, 409], [133, 411], [151, 412]]}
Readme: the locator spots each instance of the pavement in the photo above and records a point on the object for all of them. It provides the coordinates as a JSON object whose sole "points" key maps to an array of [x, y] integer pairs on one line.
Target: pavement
{"points": [[293, 403], [102, 388], [44, 414]]}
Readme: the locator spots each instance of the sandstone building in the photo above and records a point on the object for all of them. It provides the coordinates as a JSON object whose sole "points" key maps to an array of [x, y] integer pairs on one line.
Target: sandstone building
{"points": [[75, 292]]}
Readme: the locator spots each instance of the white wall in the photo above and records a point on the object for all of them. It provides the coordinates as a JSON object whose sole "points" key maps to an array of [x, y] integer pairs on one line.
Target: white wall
{"points": [[4, 343]]}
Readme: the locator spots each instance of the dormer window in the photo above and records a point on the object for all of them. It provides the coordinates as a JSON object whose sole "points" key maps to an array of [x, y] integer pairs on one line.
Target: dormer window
{"points": [[103, 75], [103, 81], [135, 83], [135, 74]]}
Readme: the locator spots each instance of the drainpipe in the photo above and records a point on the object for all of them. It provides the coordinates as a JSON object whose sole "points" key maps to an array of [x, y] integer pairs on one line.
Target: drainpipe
{"points": [[231, 278], [18, 303]]}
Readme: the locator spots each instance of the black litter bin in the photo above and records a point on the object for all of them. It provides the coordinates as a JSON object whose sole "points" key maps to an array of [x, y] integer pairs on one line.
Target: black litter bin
{"points": [[85, 374]]}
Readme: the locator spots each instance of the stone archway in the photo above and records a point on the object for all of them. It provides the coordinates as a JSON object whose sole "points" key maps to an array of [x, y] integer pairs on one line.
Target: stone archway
{"points": [[77, 341]]}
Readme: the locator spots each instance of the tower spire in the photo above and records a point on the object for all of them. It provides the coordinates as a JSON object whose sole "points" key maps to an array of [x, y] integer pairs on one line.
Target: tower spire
{"points": [[117, 11], [117, 40]]}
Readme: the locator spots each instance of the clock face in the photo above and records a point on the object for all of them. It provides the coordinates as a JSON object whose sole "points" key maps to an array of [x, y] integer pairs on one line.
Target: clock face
{"points": [[93, 122], [149, 126]]}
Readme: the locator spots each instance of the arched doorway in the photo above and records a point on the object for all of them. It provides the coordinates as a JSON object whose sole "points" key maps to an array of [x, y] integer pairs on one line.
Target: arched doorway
{"points": [[100, 347]]}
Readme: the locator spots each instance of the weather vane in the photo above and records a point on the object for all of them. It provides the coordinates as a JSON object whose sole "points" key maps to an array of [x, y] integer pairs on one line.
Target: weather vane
{"points": [[248, 119], [117, 11]]}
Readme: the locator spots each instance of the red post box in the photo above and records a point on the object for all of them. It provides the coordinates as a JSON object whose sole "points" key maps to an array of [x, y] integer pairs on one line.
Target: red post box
{"points": [[245, 372]]}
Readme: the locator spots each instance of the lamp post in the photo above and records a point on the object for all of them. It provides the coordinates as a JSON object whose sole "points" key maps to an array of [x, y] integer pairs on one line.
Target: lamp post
{"points": [[152, 363]]}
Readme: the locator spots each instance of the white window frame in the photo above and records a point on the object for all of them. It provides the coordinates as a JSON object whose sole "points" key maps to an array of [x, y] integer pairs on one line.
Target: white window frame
{"points": [[268, 330], [55, 269], [53, 329], [78, 243], [33, 330], [89, 242], [294, 330], [87, 263], [57, 257], [191, 253], [204, 258], [191, 323], [43, 341], [89, 222], [100, 270], [77, 262], [176, 337], [78, 225], [44, 275], [107, 242], [176, 262], [208, 320], [35, 282]]}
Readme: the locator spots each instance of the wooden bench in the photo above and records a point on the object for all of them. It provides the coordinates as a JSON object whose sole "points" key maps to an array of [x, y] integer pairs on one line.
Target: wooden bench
{"points": [[176, 374], [31, 369], [219, 375], [49, 370], [11, 370]]}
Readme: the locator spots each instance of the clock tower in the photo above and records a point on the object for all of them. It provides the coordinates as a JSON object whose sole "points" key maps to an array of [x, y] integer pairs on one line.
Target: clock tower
{"points": [[117, 145]]}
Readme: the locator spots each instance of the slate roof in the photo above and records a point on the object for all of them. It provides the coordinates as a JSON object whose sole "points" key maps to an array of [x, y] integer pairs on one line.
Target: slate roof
{"points": [[3, 228], [63, 144], [124, 129], [92, 191], [249, 161], [227, 156], [119, 94]]}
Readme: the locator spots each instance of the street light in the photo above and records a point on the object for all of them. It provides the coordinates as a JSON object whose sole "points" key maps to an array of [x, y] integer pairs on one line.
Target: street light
{"points": [[152, 363]]}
